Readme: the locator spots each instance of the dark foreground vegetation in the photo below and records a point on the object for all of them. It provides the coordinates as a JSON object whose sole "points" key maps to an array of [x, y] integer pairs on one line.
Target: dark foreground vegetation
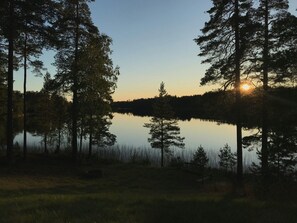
{"points": [[244, 41], [51, 189]]}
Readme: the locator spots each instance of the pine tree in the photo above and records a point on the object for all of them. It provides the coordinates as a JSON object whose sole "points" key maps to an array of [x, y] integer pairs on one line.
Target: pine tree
{"points": [[97, 83], [200, 159], [33, 21], [19, 21], [283, 61], [227, 158], [268, 12], [11, 39], [164, 129], [225, 42], [73, 27]]}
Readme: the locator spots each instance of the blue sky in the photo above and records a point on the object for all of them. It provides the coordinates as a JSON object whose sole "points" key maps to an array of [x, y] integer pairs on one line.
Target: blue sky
{"points": [[152, 42]]}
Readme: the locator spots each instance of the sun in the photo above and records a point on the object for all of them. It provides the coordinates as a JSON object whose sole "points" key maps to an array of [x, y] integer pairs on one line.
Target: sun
{"points": [[245, 87]]}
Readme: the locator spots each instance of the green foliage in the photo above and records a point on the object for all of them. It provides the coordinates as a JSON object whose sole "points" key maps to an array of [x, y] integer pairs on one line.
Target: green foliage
{"points": [[74, 28], [283, 62], [268, 40], [282, 147], [97, 83], [47, 115], [85, 69], [217, 41], [163, 126], [227, 158], [282, 153], [200, 158]]}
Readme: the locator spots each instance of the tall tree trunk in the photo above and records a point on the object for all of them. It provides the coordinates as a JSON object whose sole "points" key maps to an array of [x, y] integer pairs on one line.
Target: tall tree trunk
{"points": [[80, 140], [75, 86], [91, 138], [90, 144], [25, 100], [238, 95], [58, 148], [264, 151], [162, 145], [9, 133], [162, 155], [45, 144], [59, 138]]}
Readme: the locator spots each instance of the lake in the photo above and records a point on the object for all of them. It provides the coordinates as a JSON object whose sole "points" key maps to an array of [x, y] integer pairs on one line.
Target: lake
{"points": [[209, 134]]}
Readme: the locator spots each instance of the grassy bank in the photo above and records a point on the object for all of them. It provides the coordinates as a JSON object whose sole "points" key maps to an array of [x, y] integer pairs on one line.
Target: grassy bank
{"points": [[51, 190]]}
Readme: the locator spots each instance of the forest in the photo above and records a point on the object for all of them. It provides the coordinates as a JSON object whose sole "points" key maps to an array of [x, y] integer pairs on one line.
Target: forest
{"points": [[250, 50], [218, 106], [85, 70]]}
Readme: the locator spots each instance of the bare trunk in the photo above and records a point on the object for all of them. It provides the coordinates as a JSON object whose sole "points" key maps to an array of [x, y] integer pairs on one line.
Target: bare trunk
{"points": [[80, 140], [162, 145], [91, 137], [45, 144], [59, 138], [25, 100], [238, 95], [264, 151], [90, 144], [75, 86], [9, 133]]}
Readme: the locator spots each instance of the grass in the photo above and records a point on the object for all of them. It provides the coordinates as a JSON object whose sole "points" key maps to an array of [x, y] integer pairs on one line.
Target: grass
{"points": [[52, 190], [151, 156]]}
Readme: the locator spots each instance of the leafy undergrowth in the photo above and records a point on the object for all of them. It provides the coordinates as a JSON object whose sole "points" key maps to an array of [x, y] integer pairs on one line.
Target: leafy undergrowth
{"points": [[56, 191]]}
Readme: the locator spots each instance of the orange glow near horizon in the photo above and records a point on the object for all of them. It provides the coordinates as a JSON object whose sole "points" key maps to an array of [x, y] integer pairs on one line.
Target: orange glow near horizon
{"points": [[245, 87]]}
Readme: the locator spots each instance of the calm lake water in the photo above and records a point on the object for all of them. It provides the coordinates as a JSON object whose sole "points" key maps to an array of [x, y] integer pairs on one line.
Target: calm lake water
{"points": [[209, 134], [131, 134]]}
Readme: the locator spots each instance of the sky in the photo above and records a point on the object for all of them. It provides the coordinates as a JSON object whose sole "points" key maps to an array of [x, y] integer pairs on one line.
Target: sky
{"points": [[152, 42]]}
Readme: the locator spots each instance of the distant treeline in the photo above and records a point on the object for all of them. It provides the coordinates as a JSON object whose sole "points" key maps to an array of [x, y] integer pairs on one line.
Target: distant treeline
{"points": [[220, 106]]}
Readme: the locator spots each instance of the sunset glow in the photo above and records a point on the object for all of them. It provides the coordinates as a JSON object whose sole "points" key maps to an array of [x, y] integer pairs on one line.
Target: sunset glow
{"points": [[245, 87]]}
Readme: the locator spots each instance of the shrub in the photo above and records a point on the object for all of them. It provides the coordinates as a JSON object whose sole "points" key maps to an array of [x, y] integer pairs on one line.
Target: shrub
{"points": [[227, 158], [200, 159]]}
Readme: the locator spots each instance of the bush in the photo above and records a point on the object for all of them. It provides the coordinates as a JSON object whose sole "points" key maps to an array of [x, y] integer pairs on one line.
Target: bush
{"points": [[227, 158], [200, 159]]}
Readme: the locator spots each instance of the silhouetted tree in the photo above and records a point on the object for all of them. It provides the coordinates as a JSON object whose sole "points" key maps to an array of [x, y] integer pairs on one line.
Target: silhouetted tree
{"points": [[60, 109], [282, 158], [73, 28], [283, 62], [46, 111], [163, 126], [224, 43], [3, 47], [268, 12], [21, 24], [200, 159], [227, 158], [11, 38], [97, 82], [33, 19], [2, 92]]}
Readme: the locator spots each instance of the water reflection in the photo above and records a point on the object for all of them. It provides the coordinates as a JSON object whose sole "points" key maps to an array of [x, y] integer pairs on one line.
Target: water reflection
{"points": [[211, 135], [131, 133]]}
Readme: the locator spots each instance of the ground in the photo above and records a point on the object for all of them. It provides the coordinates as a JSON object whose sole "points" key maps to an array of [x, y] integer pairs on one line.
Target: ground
{"points": [[54, 191]]}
